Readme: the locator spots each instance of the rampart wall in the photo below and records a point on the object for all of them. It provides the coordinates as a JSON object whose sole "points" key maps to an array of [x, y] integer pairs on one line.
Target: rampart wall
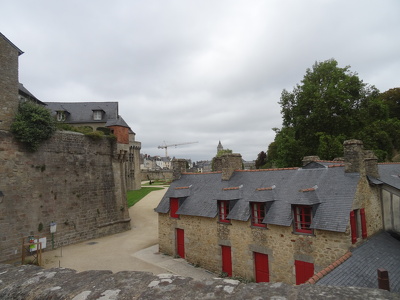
{"points": [[72, 180]]}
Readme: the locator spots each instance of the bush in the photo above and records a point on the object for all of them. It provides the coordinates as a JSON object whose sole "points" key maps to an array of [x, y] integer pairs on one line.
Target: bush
{"points": [[33, 124]]}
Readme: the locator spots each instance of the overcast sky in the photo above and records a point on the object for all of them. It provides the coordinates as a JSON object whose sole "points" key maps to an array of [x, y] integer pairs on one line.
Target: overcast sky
{"points": [[197, 71]]}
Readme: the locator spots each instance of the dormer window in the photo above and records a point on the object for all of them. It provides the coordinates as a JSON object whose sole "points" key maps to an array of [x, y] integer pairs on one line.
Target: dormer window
{"points": [[302, 218], [61, 116], [223, 211], [257, 214], [97, 115]]}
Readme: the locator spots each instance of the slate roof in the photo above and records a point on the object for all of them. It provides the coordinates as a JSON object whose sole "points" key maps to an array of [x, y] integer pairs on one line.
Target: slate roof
{"points": [[27, 94], [389, 173], [380, 251], [328, 189], [82, 112]]}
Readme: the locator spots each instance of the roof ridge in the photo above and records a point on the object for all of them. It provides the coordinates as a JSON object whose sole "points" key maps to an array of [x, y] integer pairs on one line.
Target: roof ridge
{"points": [[337, 165], [329, 268], [195, 173], [331, 161], [266, 170]]}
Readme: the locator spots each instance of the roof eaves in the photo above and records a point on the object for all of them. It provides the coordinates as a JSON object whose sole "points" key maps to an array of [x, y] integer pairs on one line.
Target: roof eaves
{"points": [[329, 268]]}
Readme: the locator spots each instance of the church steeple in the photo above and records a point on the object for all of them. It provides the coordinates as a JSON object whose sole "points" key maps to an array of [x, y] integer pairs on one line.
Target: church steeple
{"points": [[219, 147]]}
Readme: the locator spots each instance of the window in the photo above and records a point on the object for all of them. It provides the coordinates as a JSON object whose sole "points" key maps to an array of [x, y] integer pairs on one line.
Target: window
{"points": [[302, 218], [97, 115], [358, 224], [257, 214], [60, 116], [223, 211], [174, 205]]}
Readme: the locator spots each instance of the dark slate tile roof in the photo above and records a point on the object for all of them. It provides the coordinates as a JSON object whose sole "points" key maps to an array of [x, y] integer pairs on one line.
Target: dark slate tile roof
{"points": [[380, 251], [389, 173], [329, 190], [24, 91], [82, 112]]}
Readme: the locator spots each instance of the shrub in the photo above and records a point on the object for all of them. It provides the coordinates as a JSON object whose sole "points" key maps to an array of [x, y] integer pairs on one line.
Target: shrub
{"points": [[33, 124]]}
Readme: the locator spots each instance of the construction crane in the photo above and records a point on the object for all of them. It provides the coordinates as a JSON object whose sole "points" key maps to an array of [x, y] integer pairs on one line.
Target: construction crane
{"points": [[165, 146]]}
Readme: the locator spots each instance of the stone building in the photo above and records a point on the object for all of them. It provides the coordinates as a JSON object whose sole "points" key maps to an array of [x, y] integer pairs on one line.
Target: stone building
{"points": [[9, 84], [73, 181], [277, 225], [104, 115]]}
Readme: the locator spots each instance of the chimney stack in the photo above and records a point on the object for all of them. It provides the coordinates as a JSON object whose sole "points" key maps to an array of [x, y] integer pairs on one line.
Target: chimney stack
{"points": [[358, 160], [178, 167], [308, 159], [230, 163]]}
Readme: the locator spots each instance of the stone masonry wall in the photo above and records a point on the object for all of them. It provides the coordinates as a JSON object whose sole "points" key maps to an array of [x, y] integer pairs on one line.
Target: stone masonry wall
{"points": [[204, 236], [71, 180], [8, 83], [32, 282]]}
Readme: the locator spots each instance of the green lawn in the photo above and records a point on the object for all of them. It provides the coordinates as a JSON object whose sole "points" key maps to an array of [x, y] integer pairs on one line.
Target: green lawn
{"points": [[135, 196]]}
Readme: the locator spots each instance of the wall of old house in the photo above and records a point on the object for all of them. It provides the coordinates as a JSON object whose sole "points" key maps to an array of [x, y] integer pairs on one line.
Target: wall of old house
{"points": [[204, 236], [8, 83], [71, 180]]}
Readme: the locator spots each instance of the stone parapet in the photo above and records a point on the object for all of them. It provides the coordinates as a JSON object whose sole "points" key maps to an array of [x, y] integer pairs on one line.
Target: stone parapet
{"points": [[31, 282]]}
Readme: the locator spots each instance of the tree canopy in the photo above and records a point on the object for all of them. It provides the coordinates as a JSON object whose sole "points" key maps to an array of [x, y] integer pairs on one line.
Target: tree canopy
{"points": [[330, 105]]}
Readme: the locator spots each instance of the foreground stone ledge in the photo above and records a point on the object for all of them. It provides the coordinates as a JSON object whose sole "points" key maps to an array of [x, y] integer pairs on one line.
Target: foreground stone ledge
{"points": [[32, 282]]}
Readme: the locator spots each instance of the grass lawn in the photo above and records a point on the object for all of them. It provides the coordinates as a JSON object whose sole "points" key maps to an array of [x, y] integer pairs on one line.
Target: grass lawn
{"points": [[135, 196]]}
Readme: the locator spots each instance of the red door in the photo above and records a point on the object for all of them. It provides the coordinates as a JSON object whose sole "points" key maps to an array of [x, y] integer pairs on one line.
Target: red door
{"points": [[304, 271], [226, 260], [180, 242], [261, 267]]}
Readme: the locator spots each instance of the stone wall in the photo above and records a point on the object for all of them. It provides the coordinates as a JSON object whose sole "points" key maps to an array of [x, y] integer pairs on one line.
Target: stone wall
{"points": [[32, 282], [8, 83], [72, 180], [162, 175], [204, 236]]}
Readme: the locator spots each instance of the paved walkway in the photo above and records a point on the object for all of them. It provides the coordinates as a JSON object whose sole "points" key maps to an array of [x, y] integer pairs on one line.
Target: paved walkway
{"points": [[134, 250]]}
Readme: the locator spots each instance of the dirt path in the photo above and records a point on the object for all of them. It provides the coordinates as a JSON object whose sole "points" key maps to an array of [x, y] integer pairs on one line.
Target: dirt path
{"points": [[116, 252]]}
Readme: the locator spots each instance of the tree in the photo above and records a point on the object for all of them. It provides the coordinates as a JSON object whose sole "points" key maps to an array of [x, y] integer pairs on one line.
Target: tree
{"points": [[33, 124], [392, 99], [261, 160], [330, 105]]}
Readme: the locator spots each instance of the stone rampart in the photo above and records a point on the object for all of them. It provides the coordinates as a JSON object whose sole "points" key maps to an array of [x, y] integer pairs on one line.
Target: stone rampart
{"points": [[34, 283], [162, 175], [72, 180]]}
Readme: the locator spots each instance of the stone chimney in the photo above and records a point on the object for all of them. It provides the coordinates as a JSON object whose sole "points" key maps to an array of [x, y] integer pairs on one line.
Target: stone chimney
{"points": [[308, 159], [358, 160], [230, 163], [217, 164], [178, 167]]}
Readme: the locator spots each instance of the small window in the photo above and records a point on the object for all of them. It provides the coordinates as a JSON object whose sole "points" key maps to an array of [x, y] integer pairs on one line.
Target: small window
{"points": [[97, 115], [174, 206], [302, 218], [257, 214], [223, 211], [60, 116]]}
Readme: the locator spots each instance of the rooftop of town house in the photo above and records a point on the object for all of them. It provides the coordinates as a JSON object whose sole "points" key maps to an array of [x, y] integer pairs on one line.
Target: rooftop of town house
{"points": [[360, 269], [27, 94], [389, 174], [332, 199]]}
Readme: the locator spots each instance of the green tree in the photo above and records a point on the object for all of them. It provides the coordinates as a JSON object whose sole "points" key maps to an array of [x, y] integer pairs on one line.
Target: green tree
{"points": [[261, 160], [33, 124], [392, 98], [331, 104]]}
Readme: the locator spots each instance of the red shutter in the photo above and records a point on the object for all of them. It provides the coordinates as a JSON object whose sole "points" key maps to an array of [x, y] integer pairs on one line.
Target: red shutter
{"points": [[304, 271], [363, 223], [353, 227], [174, 205], [226, 260], [261, 267], [180, 242]]}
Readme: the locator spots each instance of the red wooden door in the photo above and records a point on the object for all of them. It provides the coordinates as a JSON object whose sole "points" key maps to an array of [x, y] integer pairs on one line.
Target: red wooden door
{"points": [[261, 267], [180, 242], [304, 271], [226, 260]]}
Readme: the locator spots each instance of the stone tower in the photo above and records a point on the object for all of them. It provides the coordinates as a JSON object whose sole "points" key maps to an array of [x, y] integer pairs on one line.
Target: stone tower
{"points": [[219, 147], [9, 54]]}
